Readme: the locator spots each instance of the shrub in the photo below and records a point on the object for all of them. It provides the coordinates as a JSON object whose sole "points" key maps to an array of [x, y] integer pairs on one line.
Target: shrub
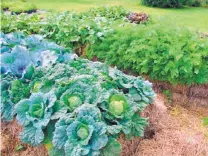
{"points": [[194, 3], [161, 52], [173, 3], [164, 3]]}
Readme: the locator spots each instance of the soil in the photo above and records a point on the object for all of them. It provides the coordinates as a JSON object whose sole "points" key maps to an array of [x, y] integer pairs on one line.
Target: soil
{"points": [[173, 131]]}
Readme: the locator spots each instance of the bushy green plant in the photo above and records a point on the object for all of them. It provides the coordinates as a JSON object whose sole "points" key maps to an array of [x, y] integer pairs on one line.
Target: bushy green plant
{"points": [[163, 53], [23, 22], [68, 29], [164, 3], [173, 3], [114, 12], [194, 3]]}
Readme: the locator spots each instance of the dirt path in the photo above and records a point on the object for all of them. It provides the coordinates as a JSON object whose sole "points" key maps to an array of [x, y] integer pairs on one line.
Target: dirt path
{"points": [[173, 131]]}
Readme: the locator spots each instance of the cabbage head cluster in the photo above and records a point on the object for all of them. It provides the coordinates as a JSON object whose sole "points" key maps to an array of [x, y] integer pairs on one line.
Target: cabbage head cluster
{"points": [[74, 107]]}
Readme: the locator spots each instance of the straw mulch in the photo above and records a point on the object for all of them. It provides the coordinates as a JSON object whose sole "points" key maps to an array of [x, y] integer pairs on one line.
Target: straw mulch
{"points": [[172, 131]]}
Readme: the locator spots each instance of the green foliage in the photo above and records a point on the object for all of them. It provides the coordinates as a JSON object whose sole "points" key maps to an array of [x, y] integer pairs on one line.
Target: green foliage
{"points": [[168, 54], [168, 94], [19, 56], [164, 3], [84, 111], [25, 23], [113, 148], [6, 106], [19, 90], [205, 121], [194, 3], [84, 135], [19, 147], [68, 29], [117, 104], [114, 12], [34, 114], [173, 3]]}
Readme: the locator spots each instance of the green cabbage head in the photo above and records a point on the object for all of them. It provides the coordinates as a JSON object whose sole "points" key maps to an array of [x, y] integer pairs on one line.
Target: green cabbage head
{"points": [[83, 135], [34, 115], [72, 98], [117, 104]]}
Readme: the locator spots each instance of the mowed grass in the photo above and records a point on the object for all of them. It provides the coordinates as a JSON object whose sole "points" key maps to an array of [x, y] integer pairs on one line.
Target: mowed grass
{"points": [[194, 18]]}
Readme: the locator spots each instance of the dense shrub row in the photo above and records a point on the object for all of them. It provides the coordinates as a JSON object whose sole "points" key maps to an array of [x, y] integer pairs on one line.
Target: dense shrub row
{"points": [[174, 3], [161, 52], [72, 106]]}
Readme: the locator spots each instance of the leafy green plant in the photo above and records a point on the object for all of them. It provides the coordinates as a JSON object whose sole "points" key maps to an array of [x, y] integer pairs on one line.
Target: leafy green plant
{"points": [[84, 135], [20, 54], [6, 105], [68, 28], [168, 94], [34, 114], [77, 114], [113, 12], [25, 23], [19, 57], [19, 147], [19, 90], [161, 52]]}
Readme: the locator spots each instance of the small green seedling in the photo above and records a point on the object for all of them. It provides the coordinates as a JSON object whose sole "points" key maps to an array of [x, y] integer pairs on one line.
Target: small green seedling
{"points": [[19, 147]]}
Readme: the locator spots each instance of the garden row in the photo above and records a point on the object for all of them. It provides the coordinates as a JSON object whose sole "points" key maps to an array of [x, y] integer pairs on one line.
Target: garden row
{"points": [[73, 106], [165, 53]]}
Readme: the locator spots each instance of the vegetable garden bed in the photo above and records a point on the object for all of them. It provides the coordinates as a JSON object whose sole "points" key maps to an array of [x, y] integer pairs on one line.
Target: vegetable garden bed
{"points": [[74, 106]]}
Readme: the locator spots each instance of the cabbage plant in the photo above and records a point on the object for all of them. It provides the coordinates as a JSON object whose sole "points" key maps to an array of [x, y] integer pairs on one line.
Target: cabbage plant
{"points": [[77, 107], [19, 52], [6, 105], [84, 135], [78, 93], [20, 57], [34, 115]]}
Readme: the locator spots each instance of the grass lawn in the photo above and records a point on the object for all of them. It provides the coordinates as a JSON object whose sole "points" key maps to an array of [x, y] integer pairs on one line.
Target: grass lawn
{"points": [[195, 18]]}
